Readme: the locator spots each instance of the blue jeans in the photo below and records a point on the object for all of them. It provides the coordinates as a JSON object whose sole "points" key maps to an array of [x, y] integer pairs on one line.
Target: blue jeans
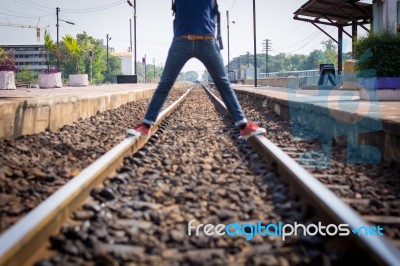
{"points": [[207, 52]]}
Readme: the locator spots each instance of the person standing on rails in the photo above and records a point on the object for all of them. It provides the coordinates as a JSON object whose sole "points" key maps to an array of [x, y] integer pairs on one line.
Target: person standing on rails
{"points": [[194, 36]]}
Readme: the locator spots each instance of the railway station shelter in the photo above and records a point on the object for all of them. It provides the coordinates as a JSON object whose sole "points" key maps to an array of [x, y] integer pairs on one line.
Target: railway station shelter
{"points": [[337, 13]]}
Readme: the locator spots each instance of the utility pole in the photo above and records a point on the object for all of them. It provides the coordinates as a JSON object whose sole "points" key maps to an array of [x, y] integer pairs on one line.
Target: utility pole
{"points": [[130, 35], [58, 38], [108, 67], [238, 69], [57, 11], [134, 29], [248, 59], [255, 43], [227, 25], [154, 69], [267, 47]]}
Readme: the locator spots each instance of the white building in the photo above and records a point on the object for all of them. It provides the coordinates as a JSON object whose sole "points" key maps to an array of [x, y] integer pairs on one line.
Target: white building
{"points": [[127, 67], [386, 15], [29, 56]]}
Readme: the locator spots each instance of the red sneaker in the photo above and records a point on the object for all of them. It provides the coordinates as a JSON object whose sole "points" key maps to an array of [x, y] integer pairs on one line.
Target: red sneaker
{"points": [[139, 130], [251, 129]]}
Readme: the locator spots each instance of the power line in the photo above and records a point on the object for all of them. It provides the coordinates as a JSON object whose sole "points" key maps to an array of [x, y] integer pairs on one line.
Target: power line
{"points": [[96, 9], [313, 34], [16, 16], [32, 5], [18, 13], [305, 44], [232, 6]]}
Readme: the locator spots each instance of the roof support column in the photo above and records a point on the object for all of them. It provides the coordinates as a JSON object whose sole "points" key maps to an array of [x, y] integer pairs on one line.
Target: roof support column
{"points": [[340, 49], [354, 35]]}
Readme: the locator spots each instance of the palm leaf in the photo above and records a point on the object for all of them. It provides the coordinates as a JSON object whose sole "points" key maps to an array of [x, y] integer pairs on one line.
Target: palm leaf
{"points": [[48, 41], [72, 45]]}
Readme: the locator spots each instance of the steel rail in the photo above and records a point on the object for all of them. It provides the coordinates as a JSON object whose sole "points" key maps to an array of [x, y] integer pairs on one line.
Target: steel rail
{"points": [[378, 248], [21, 241]]}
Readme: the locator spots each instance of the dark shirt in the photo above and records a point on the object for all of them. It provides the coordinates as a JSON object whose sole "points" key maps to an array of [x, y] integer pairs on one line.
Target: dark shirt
{"points": [[194, 17]]}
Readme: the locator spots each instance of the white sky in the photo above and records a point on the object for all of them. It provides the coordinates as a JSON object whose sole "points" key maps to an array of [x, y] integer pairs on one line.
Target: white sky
{"points": [[154, 25]]}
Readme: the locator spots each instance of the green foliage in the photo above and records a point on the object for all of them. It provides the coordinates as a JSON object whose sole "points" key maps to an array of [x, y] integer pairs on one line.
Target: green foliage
{"points": [[190, 76], [26, 76], [115, 68], [52, 52], [99, 63], [149, 72], [73, 48], [378, 54], [290, 62], [48, 42], [329, 44]]}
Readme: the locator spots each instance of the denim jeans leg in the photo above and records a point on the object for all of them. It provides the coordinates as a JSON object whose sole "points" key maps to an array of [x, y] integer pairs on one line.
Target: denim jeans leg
{"points": [[179, 53], [208, 53]]}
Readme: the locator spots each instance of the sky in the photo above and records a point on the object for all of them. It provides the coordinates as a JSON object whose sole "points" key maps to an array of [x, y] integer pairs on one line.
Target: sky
{"points": [[274, 21]]}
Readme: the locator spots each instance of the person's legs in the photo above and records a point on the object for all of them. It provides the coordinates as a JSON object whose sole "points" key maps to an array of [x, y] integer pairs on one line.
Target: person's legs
{"points": [[208, 53], [179, 53]]}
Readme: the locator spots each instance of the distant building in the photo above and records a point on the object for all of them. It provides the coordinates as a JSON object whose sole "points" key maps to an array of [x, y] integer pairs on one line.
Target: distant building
{"points": [[29, 56], [126, 62]]}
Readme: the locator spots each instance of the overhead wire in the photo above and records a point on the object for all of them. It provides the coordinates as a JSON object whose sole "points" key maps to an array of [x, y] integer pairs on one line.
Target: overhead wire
{"points": [[310, 39], [305, 45], [310, 36], [32, 5], [96, 9], [17, 16], [232, 6]]}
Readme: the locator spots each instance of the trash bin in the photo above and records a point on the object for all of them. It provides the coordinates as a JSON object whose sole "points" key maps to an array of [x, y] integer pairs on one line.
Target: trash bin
{"points": [[327, 73], [126, 79], [350, 75]]}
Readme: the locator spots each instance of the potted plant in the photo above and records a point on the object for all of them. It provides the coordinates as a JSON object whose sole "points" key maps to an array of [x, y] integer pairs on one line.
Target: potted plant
{"points": [[75, 50], [378, 66], [51, 78], [7, 69]]}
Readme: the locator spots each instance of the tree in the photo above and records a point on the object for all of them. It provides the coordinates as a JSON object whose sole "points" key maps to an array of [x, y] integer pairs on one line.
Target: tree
{"points": [[190, 76], [99, 63], [26, 76], [296, 62], [73, 48], [330, 52], [329, 44], [315, 58], [50, 47]]}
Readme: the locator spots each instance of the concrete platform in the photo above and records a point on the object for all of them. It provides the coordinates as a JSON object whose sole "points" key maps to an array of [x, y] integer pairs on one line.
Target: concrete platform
{"points": [[338, 114], [27, 111]]}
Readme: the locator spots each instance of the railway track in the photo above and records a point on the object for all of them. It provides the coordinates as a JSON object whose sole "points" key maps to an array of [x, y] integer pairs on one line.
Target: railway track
{"points": [[141, 213], [373, 190]]}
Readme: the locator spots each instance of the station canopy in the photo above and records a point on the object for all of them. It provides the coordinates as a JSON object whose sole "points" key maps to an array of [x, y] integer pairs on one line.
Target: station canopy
{"points": [[337, 13]]}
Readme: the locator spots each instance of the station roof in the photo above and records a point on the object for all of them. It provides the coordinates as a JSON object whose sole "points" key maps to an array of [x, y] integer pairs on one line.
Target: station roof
{"points": [[335, 12]]}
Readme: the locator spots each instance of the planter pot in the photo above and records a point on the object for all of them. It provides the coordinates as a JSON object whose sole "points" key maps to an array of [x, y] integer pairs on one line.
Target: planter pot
{"points": [[52, 80], [78, 80], [7, 80], [379, 89]]}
